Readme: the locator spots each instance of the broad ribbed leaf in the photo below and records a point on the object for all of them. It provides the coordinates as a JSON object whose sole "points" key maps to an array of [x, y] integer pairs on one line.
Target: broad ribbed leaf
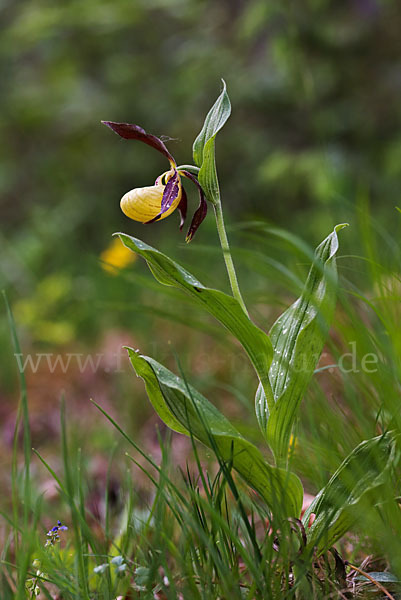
{"points": [[358, 479], [215, 120], [184, 409], [225, 308], [298, 337]]}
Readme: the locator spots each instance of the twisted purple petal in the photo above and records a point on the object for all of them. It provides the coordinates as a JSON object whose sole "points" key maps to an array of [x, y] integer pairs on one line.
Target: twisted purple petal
{"points": [[170, 193]]}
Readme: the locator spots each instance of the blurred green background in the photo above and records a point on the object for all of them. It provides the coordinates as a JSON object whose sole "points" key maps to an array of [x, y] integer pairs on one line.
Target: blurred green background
{"points": [[314, 133]]}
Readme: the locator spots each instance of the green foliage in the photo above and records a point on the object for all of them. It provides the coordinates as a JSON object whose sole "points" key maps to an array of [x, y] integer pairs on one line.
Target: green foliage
{"points": [[214, 121], [357, 481], [381, 576], [185, 410], [298, 337], [204, 145], [224, 308]]}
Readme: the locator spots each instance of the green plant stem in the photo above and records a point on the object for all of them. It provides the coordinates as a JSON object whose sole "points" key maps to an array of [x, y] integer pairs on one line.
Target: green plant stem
{"points": [[218, 211]]}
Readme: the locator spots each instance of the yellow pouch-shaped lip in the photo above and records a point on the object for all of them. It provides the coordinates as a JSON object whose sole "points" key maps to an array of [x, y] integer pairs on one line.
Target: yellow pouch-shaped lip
{"points": [[144, 204]]}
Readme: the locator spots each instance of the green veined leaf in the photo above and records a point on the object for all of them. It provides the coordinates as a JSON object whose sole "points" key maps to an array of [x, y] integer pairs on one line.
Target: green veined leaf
{"points": [[298, 337], [225, 308], [185, 410], [215, 120], [340, 503]]}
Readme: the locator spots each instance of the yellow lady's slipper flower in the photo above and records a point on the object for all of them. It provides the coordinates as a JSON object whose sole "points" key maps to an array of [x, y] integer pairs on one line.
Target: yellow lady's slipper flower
{"points": [[156, 202]]}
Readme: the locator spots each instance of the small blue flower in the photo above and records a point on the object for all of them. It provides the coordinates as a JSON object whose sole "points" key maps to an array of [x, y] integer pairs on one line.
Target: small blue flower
{"points": [[53, 534]]}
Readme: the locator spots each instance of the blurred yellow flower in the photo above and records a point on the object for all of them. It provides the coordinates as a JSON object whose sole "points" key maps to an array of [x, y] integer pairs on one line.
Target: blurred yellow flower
{"points": [[116, 256]]}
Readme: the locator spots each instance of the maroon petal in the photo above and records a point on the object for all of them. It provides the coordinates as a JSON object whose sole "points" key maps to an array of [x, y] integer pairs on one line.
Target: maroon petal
{"points": [[170, 194], [182, 207], [200, 212], [130, 131]]}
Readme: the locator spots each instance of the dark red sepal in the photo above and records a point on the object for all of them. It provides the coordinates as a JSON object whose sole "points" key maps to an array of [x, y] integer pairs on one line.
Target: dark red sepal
{"points": [[200, 212], [182, 207], [129, 131]]}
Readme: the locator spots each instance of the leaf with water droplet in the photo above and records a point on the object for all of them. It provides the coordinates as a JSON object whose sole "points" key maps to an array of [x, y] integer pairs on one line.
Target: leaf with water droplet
{"points": [[298, 337], [357, 484]]}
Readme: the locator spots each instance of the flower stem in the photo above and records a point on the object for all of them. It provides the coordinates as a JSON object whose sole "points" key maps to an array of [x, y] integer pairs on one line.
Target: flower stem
{"points": [[190, 168], [218, 211]]}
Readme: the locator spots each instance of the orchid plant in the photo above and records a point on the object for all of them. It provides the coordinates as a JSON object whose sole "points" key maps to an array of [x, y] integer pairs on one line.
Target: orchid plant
{"points": [[284, 360]]}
